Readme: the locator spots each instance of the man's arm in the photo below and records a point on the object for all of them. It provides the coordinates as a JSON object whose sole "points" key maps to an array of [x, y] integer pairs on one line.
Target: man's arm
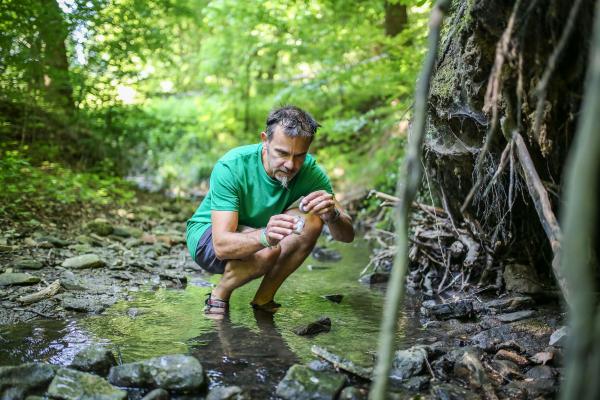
{"points": [[325, 205], [229, 244]]}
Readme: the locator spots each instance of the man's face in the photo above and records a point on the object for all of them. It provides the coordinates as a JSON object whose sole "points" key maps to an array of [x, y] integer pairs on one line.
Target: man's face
{"points": [[284, 155]]}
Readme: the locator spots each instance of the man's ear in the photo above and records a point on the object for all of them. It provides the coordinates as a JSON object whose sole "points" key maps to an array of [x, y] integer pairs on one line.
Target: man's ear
{"points": [[263, 136]]}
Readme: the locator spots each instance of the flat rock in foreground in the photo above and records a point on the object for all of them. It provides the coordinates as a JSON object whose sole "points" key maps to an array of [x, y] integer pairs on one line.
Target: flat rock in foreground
{"points": [[302, 383], [69, 384], [83, 261], [17, 278], [176, 372]]}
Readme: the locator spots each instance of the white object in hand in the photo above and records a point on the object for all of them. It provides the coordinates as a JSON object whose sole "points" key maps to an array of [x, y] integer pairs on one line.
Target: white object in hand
{"points": [[299, 226]]}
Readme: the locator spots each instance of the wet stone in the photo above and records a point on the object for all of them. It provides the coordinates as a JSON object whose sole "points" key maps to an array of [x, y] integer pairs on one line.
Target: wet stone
{"points": [[323, 324], [509, 304], [87, 303], [449, 391], [324, 254], [408, 363], [26, 263], [20, 380], [515, 316], [226, 393], [335, 298], [52, 241], [468, 366], [541, 372], [353, 393], [94, 359], [176, 372], [83, 261], [460, 309], [17, 278], [127, 231], [69, 281], [157, 394], [374, 278], [100, 226], [70, 384], [416, 383], [302, 383]]}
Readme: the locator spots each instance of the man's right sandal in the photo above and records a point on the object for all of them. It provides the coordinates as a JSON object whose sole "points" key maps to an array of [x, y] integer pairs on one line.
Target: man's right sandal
{"points": [[214, 307]]}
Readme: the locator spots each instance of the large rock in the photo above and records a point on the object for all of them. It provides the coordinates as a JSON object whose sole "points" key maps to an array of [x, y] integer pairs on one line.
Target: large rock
{"points": [[468, 366], [18, 381], [408, 363], [94, 359], [226, 393], [177, 372], [70, 384], [323, 324], [302, 383], [521, 279], [100, 227], [83, 261], [460, 309], [27, 263], [17, 278]]}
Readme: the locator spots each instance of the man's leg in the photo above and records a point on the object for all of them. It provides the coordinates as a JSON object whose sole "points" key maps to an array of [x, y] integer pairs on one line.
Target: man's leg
{"points": [[294, 250], [240, 272]]}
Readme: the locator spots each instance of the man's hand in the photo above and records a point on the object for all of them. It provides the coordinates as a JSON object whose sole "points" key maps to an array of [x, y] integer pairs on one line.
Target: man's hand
{"points": [[320, 203], [279, 226]]}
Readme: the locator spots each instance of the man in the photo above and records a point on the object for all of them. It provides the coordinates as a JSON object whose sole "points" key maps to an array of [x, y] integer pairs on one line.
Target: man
{"points": [[244, 227]]}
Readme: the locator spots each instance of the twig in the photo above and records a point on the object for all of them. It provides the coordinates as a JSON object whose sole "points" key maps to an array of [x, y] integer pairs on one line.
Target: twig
{"points": [[45, 293], [413, 173], [501, 166], [542, 87]]}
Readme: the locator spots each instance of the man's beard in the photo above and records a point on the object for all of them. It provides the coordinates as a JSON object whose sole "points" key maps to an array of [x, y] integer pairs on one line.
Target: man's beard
{"points": [[282, 178]]}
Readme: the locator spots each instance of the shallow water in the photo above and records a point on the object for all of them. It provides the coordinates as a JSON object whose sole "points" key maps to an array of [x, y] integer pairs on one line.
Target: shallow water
{"points": [[249, 349]]}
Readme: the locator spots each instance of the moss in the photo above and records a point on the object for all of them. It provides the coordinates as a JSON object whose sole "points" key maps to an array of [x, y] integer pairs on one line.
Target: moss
{"points": [[445, 82]]}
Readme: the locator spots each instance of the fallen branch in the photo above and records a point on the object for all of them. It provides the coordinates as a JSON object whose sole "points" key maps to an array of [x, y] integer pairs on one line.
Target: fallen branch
{"points": [[539, 195], [393, 201], [342, 363], [45, 293]]}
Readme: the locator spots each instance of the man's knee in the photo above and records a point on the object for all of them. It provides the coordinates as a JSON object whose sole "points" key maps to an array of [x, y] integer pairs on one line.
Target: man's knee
{"points": [[266, 258], [313, 225]]}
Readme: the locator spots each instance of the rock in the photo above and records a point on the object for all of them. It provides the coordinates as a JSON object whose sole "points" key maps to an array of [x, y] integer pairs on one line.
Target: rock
{"points": [[302, 383], [521, 279], [542, 357], [127, 231], [449, 391], [515, 316], [319, 365], [311, 267], [87, 303], [541, 372], [374, 278], [100, 227], [70, 384], [157, 394], [416, 383], [18, 381], [510, 304], [4, 248], [341, 363], [559, 337], [69, 281], [460, 309], [82, 248], [130, 243], [226, 393], [52, 241], [176, 372], [17, 278], [92, 241], [94, 359], [353, 393], [321, 325], [324, 254], [83, 261], [511, 356], [506, 369], [335, 298], [26, 263], [409, 362], [468, 366]]}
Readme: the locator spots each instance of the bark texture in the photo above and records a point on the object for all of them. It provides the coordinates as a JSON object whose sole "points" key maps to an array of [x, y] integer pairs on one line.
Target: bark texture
{"points": [[460, 114]]}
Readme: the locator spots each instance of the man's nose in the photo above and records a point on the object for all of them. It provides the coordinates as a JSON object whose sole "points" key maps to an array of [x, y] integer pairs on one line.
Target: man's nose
{"points": [[289, 164]]}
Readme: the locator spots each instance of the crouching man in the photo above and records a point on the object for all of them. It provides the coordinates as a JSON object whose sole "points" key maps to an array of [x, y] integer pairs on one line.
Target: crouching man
{"points": [[264, 211]]}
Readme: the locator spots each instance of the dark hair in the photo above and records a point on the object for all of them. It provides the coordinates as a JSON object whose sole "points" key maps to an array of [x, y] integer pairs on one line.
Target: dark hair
{"points": [[294, 122]]}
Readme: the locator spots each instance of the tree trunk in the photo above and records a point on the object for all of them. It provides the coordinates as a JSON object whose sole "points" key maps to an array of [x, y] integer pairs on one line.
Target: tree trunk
{"points": [[396, 18], [54, 33]]}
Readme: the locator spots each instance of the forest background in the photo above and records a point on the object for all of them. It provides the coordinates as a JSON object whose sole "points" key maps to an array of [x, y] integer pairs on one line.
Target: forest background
{"points": [[92, 91]]}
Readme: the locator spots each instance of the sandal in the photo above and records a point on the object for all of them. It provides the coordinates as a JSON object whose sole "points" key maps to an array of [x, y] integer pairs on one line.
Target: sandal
{"points": [[214, 307], [270, 306]]}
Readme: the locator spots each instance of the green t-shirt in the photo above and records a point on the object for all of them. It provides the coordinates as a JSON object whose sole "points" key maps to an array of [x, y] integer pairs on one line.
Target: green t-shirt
{"points": [[239, 182]]}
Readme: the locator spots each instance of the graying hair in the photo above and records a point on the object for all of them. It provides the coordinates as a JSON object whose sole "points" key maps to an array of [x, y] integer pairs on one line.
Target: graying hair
{"points": [[293, 120]]}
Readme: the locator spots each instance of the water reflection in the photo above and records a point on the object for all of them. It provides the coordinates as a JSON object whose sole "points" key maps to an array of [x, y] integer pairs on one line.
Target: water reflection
{"points": [[236, 355]]}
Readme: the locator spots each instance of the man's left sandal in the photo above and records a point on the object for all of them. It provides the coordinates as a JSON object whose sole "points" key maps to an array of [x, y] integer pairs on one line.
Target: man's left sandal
{"points": [[215, 308]]}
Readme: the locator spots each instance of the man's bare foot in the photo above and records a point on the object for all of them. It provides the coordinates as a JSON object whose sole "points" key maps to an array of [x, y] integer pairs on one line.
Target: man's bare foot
{"points": [[270, 306]]}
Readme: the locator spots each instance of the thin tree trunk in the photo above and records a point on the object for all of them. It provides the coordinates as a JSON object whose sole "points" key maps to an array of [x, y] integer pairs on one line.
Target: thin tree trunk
{"points": [[396, 18]]}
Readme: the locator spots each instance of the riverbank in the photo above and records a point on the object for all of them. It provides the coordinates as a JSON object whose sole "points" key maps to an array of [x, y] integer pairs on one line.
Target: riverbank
{"points": [[123, 265]]}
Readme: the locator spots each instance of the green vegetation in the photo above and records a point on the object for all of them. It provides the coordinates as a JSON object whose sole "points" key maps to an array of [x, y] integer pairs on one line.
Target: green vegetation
{"points": [[162, 88]]}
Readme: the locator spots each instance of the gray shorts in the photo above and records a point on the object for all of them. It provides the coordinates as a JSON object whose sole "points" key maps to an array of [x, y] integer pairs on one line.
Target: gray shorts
{"points": [[205, 255]]}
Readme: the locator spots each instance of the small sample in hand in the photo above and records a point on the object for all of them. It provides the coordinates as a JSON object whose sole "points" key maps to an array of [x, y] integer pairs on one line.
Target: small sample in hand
{"points": [[299, 226]]}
